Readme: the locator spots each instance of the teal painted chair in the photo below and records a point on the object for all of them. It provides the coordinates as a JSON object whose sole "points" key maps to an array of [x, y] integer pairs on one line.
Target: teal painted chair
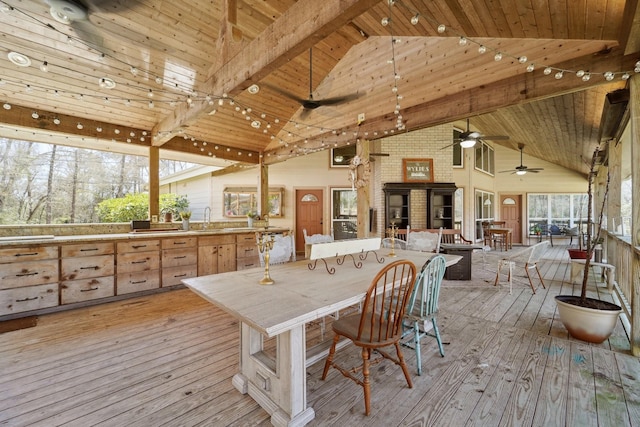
{"points": [[421, 311]]}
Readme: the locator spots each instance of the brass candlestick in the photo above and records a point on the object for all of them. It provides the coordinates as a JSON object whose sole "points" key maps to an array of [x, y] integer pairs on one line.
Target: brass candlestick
{"points": [[264, 246], [392, 232]]}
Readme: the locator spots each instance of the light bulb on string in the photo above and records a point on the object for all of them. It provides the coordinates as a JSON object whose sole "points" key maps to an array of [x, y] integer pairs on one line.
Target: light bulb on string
{"points": [[559, 75], [415, 19], [482, 49], [442, 28], [497, 56], [547, 71], [609, 76], [530, 68], [44, 67]]}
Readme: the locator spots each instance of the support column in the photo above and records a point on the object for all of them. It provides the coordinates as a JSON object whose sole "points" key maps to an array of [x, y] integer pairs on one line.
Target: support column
{"points": [[362, 150], [634, 109], [154, 181], [263, 189]]}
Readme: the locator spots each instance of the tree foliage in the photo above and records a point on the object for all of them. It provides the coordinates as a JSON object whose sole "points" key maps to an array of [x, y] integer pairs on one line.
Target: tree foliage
{"points": [[136, 206], [43, 183]]}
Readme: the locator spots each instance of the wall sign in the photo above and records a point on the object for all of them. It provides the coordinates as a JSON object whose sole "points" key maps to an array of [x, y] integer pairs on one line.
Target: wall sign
{"points": [[417, 170]]}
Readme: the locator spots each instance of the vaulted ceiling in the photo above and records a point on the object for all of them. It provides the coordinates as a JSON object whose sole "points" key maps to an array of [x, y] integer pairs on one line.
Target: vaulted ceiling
{"points": [[221, 82]]}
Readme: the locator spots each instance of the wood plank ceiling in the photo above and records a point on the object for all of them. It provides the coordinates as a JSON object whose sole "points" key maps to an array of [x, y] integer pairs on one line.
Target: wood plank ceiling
{"points": [[183, 71]]}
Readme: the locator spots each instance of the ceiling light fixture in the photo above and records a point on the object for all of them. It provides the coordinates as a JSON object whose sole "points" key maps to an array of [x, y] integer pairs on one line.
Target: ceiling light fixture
{"points": [[7, 106], [468, 143], [521, 172], [19, 59], [253, 89], [107, 83]]}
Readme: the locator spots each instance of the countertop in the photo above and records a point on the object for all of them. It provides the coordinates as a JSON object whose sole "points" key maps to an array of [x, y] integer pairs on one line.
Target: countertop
{"points": [[137, 235]]}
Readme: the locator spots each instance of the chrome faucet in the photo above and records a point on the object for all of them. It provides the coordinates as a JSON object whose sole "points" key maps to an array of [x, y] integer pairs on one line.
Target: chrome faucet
{"points": [[206, 220]]}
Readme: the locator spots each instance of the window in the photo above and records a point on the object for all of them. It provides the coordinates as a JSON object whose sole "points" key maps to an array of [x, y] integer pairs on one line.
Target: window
{"points": [[341, 157], [344, 213], [239, 201], [484, 158], [459, 206], [458, 158], [555, 212], [483, 209]]}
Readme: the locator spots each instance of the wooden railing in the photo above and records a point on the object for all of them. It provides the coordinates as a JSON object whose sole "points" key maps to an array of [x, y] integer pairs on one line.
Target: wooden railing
{"points": [[626, 259]]}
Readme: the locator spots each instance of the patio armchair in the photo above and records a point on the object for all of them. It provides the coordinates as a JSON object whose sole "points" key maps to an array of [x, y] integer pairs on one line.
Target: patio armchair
{"points": [[528, 258]]}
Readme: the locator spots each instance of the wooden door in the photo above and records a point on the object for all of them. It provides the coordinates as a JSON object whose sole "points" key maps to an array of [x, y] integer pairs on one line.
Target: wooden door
{"points": [[309, 208], [511, 213]]}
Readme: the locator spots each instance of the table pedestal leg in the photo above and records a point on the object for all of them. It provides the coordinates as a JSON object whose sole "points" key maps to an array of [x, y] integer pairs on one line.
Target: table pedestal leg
{"points": [[279, 386]]}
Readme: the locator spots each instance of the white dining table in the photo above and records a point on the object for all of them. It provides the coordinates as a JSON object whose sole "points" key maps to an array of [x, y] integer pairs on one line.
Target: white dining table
{"points": [[299, 295]]}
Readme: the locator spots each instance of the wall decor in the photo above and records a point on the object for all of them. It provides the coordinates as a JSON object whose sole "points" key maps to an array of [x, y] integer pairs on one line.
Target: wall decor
{"points": [[417, 170]]}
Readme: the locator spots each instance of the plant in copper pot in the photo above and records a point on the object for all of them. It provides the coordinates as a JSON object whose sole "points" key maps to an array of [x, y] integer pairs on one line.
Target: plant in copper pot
{"points": [[589, 319]]}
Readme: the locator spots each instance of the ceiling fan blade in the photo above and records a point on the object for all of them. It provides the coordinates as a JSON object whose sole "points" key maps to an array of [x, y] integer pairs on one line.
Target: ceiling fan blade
{"points": [[450, 145], [496, 137], [535, 169], [284, 93], [337, 100], [379, 154]]}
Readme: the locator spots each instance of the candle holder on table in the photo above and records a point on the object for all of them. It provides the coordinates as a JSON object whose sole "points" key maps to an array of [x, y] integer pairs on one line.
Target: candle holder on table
{"points": [[392, 233], [265, 244]]}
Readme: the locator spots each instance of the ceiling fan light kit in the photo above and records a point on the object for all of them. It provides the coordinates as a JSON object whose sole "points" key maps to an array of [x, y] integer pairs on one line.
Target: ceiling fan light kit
{"points": [[467, 143], [65, 11]]}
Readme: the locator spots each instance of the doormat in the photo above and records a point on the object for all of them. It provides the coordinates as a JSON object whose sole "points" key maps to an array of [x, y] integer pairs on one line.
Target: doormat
{"points": [[16, 324]]}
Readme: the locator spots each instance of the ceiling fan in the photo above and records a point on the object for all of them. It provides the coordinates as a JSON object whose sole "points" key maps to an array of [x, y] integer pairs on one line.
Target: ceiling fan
{"points": [[310, 103], [79, 15], [522, 169], [468, 139]]}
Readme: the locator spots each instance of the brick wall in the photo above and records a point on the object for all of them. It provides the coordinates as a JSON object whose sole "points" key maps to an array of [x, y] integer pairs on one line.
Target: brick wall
{"points": [[421, 144]]}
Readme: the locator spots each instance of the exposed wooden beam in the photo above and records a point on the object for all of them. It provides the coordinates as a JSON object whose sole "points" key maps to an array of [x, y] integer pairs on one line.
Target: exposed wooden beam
{"points": [[283, 40], [630, 29], [22, 117], [519, 89], [212, 150], [237, 167]]}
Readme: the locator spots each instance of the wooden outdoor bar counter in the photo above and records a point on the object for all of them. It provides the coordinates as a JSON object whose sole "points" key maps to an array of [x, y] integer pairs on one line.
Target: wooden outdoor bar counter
{"points": [[44, 273]]}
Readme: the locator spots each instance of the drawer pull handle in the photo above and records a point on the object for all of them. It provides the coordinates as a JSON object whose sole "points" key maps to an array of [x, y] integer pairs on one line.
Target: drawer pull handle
{"points": [[138, 246], [249, 265], [179, 257], [94, 267], [139, 281], [180, 275], [26, 274], [88, 249], [30, 254], [87, 290], [139, 262], [249, 250], [179, 243], [26, 299]]}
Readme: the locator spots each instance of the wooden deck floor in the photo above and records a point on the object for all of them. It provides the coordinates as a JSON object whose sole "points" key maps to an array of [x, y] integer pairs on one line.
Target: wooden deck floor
{"points": [[168, 359]]}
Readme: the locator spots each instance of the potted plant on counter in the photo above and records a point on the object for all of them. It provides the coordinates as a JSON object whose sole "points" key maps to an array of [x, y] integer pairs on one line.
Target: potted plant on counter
{"points": [[185, 215], [251, 215], [589, 319]]}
